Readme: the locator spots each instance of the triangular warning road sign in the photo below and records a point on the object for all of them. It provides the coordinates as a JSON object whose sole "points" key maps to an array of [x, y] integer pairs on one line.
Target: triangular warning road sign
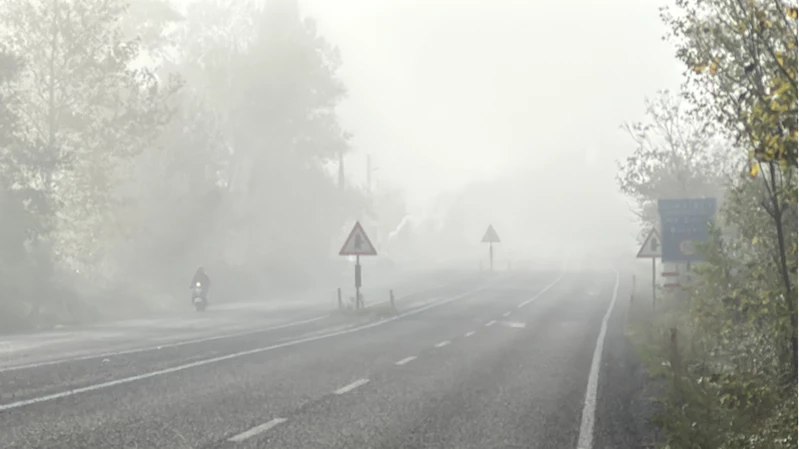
{"points": [[358, 243], [490, 235], [651, 247]]}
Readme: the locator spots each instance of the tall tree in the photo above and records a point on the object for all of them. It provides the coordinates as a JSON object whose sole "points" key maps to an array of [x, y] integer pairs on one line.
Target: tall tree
{"points": [[84, 109], [283, 128], [741, 60]]}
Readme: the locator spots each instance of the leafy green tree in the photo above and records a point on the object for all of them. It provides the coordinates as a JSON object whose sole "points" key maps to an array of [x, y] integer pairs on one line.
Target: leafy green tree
{"points": [[84, 110], [248, 149], [735, 386], [741, 59], [283, 129]]}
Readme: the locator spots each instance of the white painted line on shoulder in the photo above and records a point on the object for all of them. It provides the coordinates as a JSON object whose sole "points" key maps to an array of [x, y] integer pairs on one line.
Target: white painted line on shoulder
{"points": [[176, 344], [235, 355], [442, 344], [257, 430], [586, 438], [469, 334], [528, 301], [352, 386], [491, 323], [506, 314], [406, 360]]}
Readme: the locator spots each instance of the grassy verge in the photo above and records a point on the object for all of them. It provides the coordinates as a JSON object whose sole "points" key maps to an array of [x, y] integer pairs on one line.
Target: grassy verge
{"points": [[710, 393]]}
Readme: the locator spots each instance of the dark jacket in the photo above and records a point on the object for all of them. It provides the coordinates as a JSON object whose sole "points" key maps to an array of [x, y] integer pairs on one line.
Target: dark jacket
{"points": [[202, 278]]}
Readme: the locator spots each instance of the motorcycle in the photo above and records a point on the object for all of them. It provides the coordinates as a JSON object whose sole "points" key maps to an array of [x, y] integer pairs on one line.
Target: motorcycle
{"points": [[197, 297]]}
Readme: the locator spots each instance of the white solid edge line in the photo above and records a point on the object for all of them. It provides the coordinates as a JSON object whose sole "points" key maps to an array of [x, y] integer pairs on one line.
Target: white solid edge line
{"points": [[528, 301], [175, 369], [161, 346], [352, 386], [490, 323], [442, 344], [257, 430], [406, 360], [586, 438], [469, 334]]}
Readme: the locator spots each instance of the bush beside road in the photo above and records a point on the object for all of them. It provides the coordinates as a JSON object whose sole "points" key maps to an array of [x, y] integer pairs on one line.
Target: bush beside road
{"points": [[697, 400]]}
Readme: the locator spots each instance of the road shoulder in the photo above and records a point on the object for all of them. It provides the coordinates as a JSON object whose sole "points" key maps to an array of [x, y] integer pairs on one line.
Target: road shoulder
{"points": [[625, 405]]}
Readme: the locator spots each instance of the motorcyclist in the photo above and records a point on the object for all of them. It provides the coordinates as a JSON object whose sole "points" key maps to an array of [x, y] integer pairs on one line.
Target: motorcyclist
{"points": [[201, 277]]}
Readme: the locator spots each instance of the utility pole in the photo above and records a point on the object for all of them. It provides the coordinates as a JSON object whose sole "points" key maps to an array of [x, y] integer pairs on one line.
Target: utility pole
{"points": [[368, 174], [341, 170]]}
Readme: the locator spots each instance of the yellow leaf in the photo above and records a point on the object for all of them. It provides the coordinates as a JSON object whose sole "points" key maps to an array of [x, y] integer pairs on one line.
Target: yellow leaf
{"points": [[780, 58], [793, 13], [755, 240], [699, 68], [754, 170], [714, 66], [784, 86]]}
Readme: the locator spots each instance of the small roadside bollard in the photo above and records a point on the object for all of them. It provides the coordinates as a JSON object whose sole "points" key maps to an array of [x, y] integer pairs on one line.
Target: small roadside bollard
{"points": [[340, 304], [391, 298]]}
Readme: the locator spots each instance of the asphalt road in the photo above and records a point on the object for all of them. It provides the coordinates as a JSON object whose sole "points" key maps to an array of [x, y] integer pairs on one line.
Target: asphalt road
{"points": [[484, 361]]}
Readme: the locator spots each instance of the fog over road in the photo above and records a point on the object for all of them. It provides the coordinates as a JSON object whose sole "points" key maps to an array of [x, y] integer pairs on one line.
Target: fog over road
{"points": [[471, 360]]}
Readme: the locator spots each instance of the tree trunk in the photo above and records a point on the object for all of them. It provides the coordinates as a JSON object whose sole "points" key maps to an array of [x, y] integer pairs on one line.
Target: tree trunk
{"points": [[790, 297]]}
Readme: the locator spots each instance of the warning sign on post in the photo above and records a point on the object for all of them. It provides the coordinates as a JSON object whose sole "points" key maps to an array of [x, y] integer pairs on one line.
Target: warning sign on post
{"points": [[358, 243], [651, 247]]}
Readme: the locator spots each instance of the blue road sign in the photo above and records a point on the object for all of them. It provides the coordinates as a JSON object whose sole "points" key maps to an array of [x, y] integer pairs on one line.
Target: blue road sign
{"points": [[683, 223]]}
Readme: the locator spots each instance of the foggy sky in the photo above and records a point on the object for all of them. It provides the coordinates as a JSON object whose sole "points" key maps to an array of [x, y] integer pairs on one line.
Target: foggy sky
{"points": [[443, 92]]}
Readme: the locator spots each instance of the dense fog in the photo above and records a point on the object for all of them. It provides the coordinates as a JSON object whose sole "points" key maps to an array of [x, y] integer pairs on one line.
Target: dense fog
{"points": [[143, 140]]}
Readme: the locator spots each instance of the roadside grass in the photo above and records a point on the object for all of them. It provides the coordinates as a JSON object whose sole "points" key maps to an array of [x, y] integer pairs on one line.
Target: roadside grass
{"points": [[701, 402]]}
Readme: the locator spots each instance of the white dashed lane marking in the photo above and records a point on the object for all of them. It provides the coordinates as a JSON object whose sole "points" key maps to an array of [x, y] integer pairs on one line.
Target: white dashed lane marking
{"points": [[257, 430], [406, 360], [352, 386], [442, 344], [490, 323], [469, 334], [506, 314], [514, 324]]}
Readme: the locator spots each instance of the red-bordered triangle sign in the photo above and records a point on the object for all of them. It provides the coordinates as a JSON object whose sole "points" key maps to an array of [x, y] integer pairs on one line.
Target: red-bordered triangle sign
{"points": [[358, 243], [652, 247]]}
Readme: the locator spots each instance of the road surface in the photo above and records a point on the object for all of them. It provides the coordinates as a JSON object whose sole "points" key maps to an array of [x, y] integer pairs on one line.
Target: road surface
{"points": [[502, 360]]}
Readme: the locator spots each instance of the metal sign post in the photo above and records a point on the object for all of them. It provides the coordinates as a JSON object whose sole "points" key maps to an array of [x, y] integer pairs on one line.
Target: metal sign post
{"points": [[490, 237], [358, 244], [651, 249]]}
